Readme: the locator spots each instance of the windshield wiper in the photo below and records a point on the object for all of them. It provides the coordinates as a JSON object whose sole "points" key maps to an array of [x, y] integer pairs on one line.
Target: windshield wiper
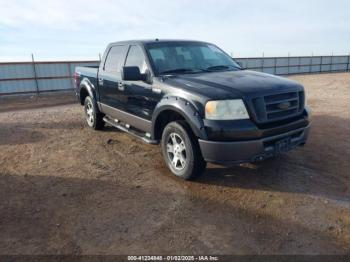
{"points": [[181, 70], [218, 67], [221, 67]]}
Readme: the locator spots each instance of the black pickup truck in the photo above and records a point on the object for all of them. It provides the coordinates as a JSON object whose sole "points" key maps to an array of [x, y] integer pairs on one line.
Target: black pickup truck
{"points": [[195, 100]]}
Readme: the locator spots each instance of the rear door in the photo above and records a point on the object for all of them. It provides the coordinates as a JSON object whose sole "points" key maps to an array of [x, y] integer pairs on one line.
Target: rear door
{"points": [[141, 98], [109, 78]]}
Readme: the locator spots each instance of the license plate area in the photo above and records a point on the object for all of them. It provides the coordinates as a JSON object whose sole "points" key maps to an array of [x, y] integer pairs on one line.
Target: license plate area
{"points": [[283, 145]]}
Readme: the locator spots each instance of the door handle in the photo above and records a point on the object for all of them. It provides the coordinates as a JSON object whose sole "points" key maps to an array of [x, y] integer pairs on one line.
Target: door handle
{"points": [[121, 86], [100, 81]]}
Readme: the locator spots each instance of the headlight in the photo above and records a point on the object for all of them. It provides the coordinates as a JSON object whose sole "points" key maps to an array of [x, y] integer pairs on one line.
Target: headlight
{"points": [[226, 110]]}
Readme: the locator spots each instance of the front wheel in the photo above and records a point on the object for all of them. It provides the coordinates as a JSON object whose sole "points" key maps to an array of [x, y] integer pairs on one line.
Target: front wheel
{"points": [[181, 151], [94, 117]]}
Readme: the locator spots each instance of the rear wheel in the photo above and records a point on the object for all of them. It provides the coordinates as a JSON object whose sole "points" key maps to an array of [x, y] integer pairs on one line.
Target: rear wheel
{"points": [[94, 117], [181, 151]]}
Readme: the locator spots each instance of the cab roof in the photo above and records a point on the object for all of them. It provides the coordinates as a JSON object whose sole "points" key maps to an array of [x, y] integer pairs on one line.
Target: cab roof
{"points": [[156, 40]]}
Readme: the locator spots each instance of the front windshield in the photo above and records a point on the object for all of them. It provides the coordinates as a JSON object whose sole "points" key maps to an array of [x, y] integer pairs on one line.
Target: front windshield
{"points": [[188, 57]]}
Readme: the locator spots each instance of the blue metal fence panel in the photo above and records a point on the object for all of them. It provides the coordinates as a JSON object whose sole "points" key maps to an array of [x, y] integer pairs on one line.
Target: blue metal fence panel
{"points": [[39, 76], [315, 69], [293, 61], [338, 67], [251, 63], [22, 86], [282, 71], [304, 61], [52, 70], [304, 69], [53, 76], [326, 60], [282, 61], [340, 59], [269, 70], [269, 62], [54, 84], [325, 68], [316, 60], [8, 71]]}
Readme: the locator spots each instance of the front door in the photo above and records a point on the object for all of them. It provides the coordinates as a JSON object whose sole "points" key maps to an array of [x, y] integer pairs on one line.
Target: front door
{"points": [[141, 97]]}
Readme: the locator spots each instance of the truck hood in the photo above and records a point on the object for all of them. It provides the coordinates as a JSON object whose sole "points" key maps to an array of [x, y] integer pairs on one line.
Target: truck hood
{"points": [[233, 84]]}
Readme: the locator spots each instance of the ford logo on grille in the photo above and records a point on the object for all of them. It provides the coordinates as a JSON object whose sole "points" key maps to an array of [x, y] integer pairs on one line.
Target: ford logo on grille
{"points": [[284, 105]]}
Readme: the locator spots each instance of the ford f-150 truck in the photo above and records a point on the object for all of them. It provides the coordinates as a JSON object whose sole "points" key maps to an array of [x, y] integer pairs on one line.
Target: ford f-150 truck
{"points": [[195, 100]]}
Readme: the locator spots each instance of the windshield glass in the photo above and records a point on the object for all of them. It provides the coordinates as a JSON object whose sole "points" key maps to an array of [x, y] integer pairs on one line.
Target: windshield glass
{"points": [[188, 57]]}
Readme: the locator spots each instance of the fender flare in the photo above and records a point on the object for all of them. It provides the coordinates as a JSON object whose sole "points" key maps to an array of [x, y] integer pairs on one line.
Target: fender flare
{"points": [[185, 109], [89, 87]]}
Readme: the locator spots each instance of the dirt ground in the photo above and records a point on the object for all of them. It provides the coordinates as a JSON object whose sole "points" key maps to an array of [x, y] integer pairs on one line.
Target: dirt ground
{"points": [[66, 189]]}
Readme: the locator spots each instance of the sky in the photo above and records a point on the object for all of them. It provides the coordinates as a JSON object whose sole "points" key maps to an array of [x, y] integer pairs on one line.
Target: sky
{"points": [[81, 29]]}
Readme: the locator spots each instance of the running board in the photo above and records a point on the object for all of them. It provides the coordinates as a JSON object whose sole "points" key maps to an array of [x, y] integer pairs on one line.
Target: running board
{"points": [[130, 131]]}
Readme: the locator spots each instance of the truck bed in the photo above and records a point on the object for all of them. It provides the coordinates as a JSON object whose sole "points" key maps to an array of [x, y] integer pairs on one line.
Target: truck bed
{"points": [[88, 71]]}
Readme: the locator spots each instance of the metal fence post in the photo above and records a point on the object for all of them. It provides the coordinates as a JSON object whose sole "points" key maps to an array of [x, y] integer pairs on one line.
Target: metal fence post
{"points": [[69, 66], [331, 63], [275, 61], [312, 55], [321, 64], [35, 75], [348, 68]]}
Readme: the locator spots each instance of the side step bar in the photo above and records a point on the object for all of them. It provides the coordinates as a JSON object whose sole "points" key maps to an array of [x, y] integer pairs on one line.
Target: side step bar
{"points": [[130, 131]]}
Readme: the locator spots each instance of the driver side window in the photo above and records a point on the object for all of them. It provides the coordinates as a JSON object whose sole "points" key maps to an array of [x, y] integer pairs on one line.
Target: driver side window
{"points": [[136, 58]]}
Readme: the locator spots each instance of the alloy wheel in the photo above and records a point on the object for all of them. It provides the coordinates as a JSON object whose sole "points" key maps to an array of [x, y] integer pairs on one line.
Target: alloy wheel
{"points": [[89, 110], [176, 150]]}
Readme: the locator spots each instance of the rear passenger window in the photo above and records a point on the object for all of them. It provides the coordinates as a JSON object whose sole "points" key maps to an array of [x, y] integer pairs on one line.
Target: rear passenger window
{"points": [[136, 58], [115, 59]]}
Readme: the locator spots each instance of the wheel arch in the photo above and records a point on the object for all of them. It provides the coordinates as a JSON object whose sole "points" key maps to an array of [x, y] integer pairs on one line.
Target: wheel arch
{"points": [[176, 108], [86, 89]]}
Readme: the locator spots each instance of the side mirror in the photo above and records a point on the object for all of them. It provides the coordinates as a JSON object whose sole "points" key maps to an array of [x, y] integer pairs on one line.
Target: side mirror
{"points": [[132, 73]]}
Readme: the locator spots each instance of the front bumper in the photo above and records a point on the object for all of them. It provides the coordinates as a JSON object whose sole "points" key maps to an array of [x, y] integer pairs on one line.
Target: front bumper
{"points": [[230, 153]]}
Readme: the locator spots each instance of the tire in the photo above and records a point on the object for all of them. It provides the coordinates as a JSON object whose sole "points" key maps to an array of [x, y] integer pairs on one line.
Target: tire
{"points": [[94, 118], [181, 151]]}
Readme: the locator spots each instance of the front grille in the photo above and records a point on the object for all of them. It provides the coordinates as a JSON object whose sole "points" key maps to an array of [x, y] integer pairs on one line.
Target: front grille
{"points": [[278, 106]]}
